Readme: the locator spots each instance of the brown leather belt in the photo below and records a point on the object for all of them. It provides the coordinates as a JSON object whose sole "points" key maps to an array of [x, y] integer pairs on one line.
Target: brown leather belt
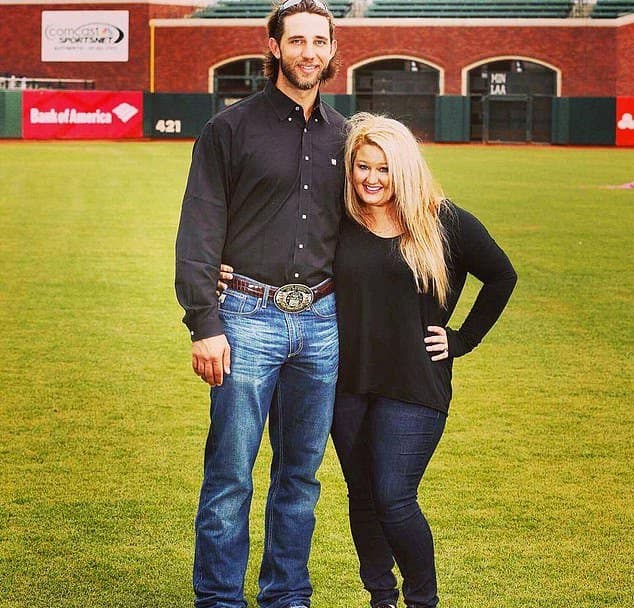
{"points": [[293, 297]]}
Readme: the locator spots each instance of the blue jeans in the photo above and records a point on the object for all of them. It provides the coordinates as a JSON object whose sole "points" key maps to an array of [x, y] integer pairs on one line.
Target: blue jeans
{"points": [[283, 365], [384, 447]]}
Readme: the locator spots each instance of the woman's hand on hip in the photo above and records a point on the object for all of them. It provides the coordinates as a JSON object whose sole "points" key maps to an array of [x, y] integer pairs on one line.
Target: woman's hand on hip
{"points": [[436, 344]]}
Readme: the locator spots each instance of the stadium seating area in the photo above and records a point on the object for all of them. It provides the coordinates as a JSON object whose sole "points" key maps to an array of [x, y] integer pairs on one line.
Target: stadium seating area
{"points": [[233, 9], [550, 9], [553, 9], [611, 9]]}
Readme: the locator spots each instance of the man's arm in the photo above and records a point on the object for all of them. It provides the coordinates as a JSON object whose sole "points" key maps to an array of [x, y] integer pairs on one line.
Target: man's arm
{"points": [[199, 244], [211, 359]]}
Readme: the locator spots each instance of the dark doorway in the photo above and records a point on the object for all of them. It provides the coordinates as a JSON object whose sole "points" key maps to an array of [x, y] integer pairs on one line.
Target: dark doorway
{"points": [[511, 100], [400, 88], [236, 80]]}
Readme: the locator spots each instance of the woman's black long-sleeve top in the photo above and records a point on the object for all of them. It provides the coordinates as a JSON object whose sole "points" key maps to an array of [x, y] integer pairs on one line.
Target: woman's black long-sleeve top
{"points": [[383, 320]]}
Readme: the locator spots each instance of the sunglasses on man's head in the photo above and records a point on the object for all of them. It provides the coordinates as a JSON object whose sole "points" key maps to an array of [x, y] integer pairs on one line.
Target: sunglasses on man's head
{"points": [[290, 3]]}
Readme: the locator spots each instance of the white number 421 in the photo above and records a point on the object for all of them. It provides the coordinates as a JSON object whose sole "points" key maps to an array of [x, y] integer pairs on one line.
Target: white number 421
{"points": [[168, 126]]}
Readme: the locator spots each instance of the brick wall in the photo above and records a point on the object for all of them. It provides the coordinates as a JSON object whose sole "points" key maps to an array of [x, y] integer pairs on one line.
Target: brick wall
{"points": [[594, 61], [185, 54], [586, 56], [625, 60], [20, 32]]}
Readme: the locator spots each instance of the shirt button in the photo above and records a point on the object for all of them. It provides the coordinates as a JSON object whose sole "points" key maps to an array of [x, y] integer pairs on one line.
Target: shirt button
{"points": [[296, 108], [301, 245], [303, 216], [305, 186], [305, 130], [306, 157], [297, 275], [316, 119], [289, 119]]}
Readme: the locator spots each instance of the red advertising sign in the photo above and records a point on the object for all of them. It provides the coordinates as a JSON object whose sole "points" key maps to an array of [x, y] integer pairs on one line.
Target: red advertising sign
{"points": [[82, 114], [625, 121]]}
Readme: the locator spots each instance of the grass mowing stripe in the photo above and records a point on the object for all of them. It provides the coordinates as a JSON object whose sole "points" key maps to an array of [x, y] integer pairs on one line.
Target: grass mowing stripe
{"points": [[102, 424]]}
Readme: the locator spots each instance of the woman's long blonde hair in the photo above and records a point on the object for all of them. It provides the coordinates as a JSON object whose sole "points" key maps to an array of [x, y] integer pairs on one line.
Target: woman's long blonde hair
{"points": [[417, 198]]}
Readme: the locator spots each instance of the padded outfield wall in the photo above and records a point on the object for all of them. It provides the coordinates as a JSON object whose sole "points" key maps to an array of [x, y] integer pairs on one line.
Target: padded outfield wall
{"points": [[49, 114]]}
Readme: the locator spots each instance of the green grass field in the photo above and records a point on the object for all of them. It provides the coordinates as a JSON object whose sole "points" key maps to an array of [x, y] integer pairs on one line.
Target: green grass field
{"points": [[102, 422]]}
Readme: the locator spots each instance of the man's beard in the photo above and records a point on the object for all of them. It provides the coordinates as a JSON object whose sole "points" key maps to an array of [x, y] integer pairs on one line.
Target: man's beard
{"points": [[291, 76]]}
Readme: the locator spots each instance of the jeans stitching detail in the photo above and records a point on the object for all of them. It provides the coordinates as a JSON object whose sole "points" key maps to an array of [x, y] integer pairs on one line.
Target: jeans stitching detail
{"points": [[280, 442], [300, 335], [292, 323]]}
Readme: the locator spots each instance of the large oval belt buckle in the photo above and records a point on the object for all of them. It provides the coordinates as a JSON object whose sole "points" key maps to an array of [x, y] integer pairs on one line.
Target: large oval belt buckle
{"points": [[293, 297]]}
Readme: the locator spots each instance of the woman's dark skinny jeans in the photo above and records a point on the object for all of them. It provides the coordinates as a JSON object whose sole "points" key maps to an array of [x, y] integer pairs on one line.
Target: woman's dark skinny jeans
{"points": [[384, 447]]}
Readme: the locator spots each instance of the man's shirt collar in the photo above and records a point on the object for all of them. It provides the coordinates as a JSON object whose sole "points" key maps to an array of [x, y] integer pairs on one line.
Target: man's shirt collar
{"points": [[284, 106]]}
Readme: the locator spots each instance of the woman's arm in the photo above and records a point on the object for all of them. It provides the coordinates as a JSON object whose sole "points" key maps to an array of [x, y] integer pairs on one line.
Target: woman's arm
{"points": [[476, 252]]}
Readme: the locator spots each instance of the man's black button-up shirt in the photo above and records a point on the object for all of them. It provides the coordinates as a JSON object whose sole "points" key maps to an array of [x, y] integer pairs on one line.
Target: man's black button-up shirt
{"points": [[264, 194]]}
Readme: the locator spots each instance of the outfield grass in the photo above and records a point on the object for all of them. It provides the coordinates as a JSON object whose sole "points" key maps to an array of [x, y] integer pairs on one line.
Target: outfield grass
{"points": [[102, 423]]}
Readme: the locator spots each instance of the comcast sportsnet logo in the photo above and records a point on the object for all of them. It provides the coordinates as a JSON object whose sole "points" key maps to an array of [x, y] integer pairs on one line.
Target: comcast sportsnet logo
{"points": [[125, 112]]}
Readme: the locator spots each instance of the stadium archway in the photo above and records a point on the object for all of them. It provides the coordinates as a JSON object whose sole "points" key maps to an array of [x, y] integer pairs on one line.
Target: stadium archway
{"points": [[511, 99], [236, 78], [401, 87]]}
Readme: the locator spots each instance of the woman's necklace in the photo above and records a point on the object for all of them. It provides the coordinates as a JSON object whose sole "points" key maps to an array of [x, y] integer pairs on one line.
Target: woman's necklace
{"points": [[385, 227]]}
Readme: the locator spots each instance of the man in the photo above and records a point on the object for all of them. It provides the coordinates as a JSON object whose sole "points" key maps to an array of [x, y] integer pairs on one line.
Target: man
{"points": [[264, 195]]}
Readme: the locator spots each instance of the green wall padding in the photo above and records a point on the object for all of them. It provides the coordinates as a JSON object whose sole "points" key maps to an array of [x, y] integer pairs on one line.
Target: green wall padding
{"points": [[11, 114], [584, 121], [452, 118], [174, 115]]}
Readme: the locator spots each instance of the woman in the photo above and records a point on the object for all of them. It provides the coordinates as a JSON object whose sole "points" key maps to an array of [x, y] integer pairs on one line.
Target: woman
{"points": [[403, 256], [402, 260]]}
